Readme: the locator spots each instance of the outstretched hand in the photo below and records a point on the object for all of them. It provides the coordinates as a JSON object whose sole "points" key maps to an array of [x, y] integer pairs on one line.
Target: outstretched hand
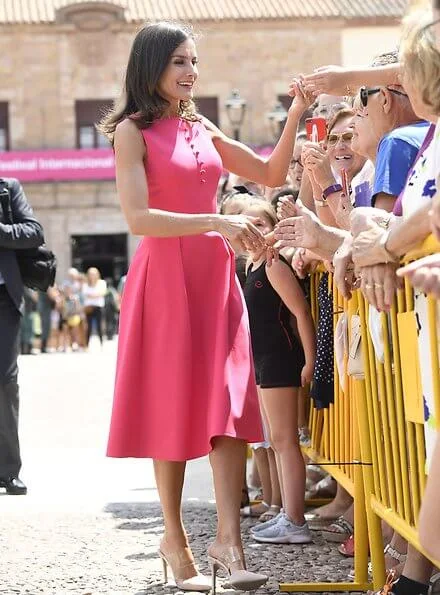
{"points": [[286, 207], [332, 80], [301, 231], [424, 274], [302, 98]]}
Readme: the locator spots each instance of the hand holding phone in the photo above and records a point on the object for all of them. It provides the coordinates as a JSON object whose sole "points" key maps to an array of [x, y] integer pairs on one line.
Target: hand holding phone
{"points": [[316, 129]]}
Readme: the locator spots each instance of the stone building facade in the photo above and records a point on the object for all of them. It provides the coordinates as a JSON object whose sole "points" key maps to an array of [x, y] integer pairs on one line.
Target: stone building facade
{"points": [[55, 61]]}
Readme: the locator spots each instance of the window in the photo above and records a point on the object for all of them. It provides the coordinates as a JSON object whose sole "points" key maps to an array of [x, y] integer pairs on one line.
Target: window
{"points": [[88, 113], [208, 107], [4, 126]]}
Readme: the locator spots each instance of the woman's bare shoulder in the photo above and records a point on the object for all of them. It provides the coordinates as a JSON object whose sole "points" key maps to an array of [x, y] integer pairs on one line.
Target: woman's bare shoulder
{"points": [[128, 136]]}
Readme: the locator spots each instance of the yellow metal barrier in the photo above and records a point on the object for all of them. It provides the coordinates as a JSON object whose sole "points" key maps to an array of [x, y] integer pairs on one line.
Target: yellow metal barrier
{"points": [[372, 438], [402, 383]]}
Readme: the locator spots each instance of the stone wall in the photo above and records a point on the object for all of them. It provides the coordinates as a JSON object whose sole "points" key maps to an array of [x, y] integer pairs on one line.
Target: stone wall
{"points": [[51, 66]]}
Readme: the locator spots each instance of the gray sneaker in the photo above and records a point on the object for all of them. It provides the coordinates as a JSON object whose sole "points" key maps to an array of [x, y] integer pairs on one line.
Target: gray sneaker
{"points": [[284, 531], [266, 524]]}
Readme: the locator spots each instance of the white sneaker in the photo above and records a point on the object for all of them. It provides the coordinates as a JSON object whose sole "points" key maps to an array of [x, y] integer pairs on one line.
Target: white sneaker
{"points": [[284, 531], [266, 524]]}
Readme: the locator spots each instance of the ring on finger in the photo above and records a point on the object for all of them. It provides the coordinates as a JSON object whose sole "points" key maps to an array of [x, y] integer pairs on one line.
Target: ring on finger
{"points": [[378, 285], [368, 286]]}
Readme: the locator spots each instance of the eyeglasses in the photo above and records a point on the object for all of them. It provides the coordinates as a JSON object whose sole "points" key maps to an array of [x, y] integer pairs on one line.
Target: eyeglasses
{"points": [[333, 138], [364, 93]]}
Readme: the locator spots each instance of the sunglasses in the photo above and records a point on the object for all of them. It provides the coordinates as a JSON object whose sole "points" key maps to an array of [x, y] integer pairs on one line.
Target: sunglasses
{"points": [[364, 93], [333, 138]]}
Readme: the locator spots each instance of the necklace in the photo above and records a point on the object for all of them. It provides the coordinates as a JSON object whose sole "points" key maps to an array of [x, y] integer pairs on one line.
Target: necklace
{"points": [[189, 137]]}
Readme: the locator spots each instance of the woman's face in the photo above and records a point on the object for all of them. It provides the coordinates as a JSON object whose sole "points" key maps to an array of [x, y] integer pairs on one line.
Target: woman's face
{"points": [[92, 276], [363, 141], [415, 96], [177, 81], [339, 149]]}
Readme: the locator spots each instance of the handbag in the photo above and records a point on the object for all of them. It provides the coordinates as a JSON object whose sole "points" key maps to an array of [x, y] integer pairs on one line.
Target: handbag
{"points": [[37, 266], [355, 365]]}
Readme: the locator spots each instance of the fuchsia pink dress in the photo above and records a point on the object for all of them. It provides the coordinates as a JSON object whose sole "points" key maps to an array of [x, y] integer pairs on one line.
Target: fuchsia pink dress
{"points": [[184, 372]]}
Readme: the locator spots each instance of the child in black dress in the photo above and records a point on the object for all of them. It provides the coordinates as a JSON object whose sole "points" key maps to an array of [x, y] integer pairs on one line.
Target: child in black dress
{"points": [[283, 364]]}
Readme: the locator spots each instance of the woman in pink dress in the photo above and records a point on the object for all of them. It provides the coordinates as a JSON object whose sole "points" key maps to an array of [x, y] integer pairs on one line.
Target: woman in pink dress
{"points": [[185, 384]]}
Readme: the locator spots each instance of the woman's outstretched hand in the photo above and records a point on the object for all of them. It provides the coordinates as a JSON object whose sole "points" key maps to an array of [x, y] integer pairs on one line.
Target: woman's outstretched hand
{"points": [[332, 80], [301, 231], [239, 229], [302, 99]]}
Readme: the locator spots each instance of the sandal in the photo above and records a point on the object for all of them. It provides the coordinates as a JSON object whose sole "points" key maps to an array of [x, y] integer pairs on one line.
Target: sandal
{"points": [[339, 531], [254, 510], [269, 514], [397, 568], [434, 584], [347, 547], [387, 589]]}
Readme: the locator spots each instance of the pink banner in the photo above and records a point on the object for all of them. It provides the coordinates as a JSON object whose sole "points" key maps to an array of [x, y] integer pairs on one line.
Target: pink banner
{"points": [[58, 165]]}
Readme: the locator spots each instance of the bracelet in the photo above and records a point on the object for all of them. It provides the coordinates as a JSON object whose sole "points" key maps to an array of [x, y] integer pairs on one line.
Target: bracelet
{"points": [[320, 203], [331, 190]]}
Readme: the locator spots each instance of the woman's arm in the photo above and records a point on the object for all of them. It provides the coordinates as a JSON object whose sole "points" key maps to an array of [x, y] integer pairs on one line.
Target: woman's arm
{"points": [[377, 245], [241, 160], [336, 80], [131, 183], [285, 284], [408, 233]]}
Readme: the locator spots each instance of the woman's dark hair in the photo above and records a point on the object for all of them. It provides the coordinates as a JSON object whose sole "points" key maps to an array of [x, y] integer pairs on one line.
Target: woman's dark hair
{"points": [[150, 54]]}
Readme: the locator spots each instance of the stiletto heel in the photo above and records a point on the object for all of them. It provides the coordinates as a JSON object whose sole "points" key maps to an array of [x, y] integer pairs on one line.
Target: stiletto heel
{"points": [[242, 580], [213, 567], [165, 568], [178, 561]]}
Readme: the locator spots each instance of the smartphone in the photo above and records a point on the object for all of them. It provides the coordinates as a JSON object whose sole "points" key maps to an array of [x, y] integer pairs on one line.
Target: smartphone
{"points": [[316, 129]]}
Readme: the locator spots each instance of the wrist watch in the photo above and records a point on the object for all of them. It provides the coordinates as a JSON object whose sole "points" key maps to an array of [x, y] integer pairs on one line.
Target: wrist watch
{"points": [[331, 190], [320, 203]]}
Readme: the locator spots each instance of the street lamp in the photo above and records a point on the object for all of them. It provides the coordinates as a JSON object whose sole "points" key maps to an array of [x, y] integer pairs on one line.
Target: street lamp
{"points": [[277, 117], [236, 109]]}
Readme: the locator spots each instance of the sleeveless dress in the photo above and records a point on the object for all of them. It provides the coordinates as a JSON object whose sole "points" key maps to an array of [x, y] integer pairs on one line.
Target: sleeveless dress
{"points": [[184, 370]]}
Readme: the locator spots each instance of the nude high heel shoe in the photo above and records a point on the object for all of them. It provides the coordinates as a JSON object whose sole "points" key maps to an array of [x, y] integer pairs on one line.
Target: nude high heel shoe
{"points": [[179, 560], [242, 580]]}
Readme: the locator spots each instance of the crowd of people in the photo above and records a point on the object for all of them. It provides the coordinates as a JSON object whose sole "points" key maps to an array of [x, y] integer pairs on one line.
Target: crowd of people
{"points": [[355, 204], [63, 318]]}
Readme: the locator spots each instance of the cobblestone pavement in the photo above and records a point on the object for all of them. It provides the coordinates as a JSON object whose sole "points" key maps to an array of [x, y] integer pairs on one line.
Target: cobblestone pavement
{"points": [[92, 526]]}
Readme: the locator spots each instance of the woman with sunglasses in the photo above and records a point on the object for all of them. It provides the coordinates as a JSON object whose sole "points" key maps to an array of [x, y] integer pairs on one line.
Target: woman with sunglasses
{"points": [[326, 166]]}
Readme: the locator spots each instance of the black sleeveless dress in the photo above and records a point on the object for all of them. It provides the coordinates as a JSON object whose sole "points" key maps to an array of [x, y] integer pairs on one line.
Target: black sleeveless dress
{"points": [[278, 353]]}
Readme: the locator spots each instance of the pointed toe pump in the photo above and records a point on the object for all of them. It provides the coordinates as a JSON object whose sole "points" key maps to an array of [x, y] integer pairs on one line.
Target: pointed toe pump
{"points": [[241, 580], [178, 561]]}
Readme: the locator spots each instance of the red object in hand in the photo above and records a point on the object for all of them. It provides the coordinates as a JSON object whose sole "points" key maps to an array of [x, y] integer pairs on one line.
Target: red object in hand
{"points": [[316, 129]]}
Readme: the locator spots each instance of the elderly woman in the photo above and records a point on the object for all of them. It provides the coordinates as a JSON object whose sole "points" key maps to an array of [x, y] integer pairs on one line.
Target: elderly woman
{"points": [[377, 249]]}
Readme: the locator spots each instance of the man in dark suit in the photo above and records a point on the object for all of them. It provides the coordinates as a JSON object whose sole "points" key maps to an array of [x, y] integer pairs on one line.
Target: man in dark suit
{"points": [[24, 233]]}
